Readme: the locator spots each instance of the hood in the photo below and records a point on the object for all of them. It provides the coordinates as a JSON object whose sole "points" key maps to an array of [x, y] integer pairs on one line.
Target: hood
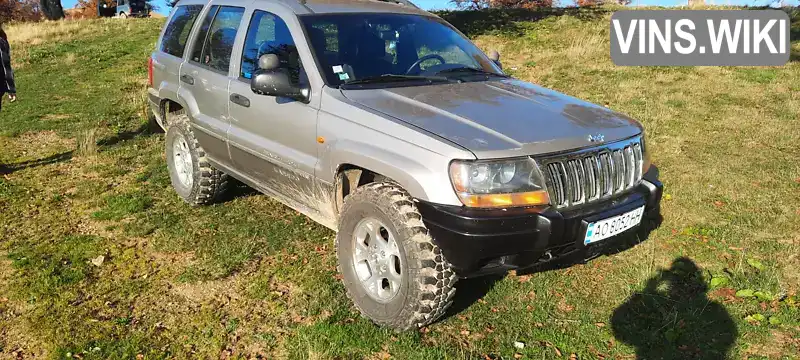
{"points": [[500, 118]]}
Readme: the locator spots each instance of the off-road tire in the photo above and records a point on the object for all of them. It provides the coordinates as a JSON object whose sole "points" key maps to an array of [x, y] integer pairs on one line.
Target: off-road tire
{"points": [[209, 183], [427, 288]]}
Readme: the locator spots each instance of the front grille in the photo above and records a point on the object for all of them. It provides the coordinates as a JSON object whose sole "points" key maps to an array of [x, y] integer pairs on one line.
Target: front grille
{"points": [[594, 174]]}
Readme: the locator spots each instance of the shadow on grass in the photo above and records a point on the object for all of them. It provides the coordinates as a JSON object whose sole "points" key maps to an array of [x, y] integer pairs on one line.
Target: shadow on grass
{"points": [[6, 169], [144, 129], [469, 291], [673, 318], [509, 21], [52, 159], [238, 189]]}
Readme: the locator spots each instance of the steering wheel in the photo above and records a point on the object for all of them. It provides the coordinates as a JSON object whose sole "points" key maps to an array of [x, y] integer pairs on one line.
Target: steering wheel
{"points": [[424, 58]]}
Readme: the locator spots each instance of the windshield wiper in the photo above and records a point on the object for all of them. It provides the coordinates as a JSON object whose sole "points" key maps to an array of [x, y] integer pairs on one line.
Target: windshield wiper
{"points": [[471, 70], [390, 78]]}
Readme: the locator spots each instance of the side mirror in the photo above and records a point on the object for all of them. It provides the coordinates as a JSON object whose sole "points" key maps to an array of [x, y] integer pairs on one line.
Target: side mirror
{"points": [[494, 55], [271, 80]]}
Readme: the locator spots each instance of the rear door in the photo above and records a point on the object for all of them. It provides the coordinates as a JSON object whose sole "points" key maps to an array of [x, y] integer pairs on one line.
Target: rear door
{"points": [[204, 77], [168, 57]]}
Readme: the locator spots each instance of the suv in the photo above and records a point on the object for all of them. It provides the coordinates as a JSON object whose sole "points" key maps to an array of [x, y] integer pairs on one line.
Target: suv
{"points": [[385, 123], [132, 8]]}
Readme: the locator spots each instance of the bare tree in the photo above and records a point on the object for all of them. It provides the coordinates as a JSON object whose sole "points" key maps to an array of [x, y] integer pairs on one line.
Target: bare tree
{"points": [[19, 10]]}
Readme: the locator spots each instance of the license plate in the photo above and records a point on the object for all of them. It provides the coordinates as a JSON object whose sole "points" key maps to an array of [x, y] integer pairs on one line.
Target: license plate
{"points": [[607, 228]]}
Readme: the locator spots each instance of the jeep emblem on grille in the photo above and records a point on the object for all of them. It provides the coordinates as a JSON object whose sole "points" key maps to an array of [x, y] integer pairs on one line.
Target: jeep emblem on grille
{"points": [[596, 138]]}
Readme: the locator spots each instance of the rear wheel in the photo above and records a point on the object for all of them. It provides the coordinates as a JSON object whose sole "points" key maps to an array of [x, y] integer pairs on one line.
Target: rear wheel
{"points": [[392, 270], [123, 15], [193, 177]]}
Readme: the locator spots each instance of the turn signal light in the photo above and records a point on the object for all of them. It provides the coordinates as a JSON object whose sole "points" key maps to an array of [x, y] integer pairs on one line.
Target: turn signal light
{"points": [[530, 198]]}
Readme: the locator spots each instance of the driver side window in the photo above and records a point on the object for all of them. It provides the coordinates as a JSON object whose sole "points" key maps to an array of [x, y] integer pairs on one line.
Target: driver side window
{"points": [[268, 34]]}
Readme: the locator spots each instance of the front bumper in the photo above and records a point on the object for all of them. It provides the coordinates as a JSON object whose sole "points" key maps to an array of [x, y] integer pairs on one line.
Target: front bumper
{"points": [[480, 241]]}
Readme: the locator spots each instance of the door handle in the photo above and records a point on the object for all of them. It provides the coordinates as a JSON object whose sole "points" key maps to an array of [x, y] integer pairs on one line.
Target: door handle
{"points": [[240, 100], [187, 79]]}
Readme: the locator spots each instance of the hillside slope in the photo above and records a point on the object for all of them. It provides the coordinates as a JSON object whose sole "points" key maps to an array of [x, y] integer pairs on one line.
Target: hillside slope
{"points": [[99, 259]]}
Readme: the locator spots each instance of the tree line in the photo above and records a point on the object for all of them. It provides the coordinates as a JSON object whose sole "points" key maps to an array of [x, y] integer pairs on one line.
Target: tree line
{"points": [[36, 10], [526, 4]]}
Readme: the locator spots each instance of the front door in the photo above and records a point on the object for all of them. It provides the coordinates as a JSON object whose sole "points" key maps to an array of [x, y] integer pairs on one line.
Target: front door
{"points": [[205, 76], [273, 140]]}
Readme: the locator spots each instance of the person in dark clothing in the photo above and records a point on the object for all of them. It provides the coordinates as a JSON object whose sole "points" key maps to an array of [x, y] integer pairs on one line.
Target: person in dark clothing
{"points": [[7, 82]]}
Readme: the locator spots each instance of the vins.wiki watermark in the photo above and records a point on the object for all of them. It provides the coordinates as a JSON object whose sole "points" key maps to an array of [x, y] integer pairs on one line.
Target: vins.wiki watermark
{"points": [[700, 37]]}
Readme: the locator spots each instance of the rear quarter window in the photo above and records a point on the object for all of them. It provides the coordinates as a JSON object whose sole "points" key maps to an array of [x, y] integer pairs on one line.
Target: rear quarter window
{"points": [[177, 31]]}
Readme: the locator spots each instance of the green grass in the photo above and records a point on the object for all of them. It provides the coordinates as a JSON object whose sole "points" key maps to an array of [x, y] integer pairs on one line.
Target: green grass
{"points": [[250, 277], [119, 206]]}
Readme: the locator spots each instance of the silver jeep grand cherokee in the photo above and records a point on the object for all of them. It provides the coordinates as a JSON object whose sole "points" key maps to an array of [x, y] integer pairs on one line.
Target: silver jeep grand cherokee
{"points": [[383, 122]]}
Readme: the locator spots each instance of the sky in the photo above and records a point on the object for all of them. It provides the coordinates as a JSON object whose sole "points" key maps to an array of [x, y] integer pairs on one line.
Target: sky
{"points": [[445, 4]]}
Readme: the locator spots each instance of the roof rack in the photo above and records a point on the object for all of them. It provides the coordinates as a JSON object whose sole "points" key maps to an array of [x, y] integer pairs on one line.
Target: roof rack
{"points": [[401, 2], [398, 2]]}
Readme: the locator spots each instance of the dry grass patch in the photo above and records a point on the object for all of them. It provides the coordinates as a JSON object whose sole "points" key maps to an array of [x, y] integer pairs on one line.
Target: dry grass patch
{"points": [[32, 146], [49, 31], [87, 143], [16, 337], [780, 343], [56, 117], [69, 59]]}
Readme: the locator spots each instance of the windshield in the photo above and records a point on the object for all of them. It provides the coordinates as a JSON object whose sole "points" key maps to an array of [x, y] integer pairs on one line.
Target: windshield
{"points": [[354, 47]]}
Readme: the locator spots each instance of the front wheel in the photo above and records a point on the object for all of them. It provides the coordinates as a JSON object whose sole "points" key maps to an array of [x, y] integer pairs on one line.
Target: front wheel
{"points": [[392, 270]]}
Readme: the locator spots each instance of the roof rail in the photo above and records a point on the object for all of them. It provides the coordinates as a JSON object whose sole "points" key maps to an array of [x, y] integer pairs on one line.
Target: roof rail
{"points": [[398, 2], [401, 2]]}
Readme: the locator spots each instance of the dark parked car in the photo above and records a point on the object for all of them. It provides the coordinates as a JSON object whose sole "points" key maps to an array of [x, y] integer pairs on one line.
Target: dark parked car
{"points": [[125, 9]]}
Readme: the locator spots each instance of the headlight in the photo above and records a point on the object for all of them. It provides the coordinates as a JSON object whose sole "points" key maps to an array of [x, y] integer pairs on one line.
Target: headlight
{"points": [[499, 183]]}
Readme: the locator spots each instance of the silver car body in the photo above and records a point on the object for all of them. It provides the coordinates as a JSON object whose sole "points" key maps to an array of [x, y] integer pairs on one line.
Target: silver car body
{"points": [[293, 150]]}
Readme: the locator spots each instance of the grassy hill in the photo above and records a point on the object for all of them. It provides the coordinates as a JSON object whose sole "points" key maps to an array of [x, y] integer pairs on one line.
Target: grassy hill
{"points": [[99, 259]]}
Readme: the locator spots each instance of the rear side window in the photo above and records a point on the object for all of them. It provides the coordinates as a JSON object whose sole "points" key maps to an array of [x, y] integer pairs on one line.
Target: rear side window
{"points": [[178, 29], [216, 41], [197, 51]]}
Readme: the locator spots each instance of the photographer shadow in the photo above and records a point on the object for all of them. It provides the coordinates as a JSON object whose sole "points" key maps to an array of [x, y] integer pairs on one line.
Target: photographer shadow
{"points": [[673, 318]]}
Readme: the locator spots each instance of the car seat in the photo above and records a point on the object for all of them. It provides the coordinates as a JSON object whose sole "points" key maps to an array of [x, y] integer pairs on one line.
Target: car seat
{"points": [[370, 57]]}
